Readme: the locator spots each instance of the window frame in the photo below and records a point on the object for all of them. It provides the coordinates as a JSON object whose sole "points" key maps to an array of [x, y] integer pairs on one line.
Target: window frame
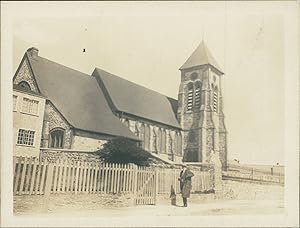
{"points": [[26, 144], [57, 129], [29, 109]]}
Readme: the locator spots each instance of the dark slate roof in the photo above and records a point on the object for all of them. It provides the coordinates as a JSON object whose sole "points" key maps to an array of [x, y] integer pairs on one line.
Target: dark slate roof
{"points": [[174, 104], [201, 56], [78, 97], [137, 100]]}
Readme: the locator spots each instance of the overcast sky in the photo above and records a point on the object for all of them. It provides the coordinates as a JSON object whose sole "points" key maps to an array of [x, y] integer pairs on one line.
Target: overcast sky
{"points": [[146, 43]]}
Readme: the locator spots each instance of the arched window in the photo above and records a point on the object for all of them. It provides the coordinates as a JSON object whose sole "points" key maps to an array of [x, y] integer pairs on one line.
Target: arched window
{"points": [[154, 143], [136, 129], [24, 85], [197, 95], [175, 143], [170, 148], [158, 141], [190, 94], [56, 138], [163, 141], [126, 122], [147, 137], [142, 134], [215, 99], [179, 144]]}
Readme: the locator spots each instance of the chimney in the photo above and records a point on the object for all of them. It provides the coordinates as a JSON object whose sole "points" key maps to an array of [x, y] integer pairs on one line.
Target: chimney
{"points": [[33, 52]]}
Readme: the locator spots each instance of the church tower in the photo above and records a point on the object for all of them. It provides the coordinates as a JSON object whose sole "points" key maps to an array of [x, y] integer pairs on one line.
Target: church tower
{"points": [[200, 107]]}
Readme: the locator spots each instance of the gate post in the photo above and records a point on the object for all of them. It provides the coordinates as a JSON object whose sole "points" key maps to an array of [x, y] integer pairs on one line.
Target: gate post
{"points": [[49, 179], [215, 160]]}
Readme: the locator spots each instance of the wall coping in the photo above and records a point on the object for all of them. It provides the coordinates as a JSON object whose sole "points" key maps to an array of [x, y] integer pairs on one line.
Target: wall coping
{"points": [[67, 150]]}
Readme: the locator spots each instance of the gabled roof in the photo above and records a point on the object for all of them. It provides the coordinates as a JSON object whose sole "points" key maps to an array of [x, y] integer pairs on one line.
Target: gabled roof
{"points": [[201, 56], [78, 97], [137, 100]]}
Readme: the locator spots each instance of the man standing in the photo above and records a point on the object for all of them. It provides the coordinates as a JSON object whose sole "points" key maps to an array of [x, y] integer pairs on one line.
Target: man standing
{"points": [[185, 183]]}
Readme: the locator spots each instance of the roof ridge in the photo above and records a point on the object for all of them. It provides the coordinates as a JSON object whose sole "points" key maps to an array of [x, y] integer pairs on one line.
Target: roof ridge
{"points": [[134, 83]]}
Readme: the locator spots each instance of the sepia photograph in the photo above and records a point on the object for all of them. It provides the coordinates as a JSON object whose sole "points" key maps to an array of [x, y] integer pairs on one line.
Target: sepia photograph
{"points": [[138, 114]]}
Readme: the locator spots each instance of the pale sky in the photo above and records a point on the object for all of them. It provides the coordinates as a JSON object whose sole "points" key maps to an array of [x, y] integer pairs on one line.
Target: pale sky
{"points": [[146, 43]]}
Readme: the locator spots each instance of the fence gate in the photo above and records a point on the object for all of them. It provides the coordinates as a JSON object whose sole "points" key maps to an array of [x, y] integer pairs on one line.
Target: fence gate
{"points": [[146, 191]]}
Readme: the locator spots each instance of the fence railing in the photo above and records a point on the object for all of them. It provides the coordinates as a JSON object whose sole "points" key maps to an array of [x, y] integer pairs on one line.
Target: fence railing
{"points": [[32, 176], [236, 171]]}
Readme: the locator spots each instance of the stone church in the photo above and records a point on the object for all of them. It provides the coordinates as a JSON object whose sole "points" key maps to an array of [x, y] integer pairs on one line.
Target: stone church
{"points": [[59, 109]]}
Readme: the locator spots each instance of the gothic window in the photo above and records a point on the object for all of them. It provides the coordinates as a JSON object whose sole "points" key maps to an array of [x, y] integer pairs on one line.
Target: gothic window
{"points": [[56, 138], [170, 146], [25, 137], [24, 85], [154, 143], [136, 130], [190, 94], [147, 137], [197, 95], [179, 144], [163, 141], [175, 143], [215, 99], [158, 143], [142, 135], [192, 136], [126, 122]]}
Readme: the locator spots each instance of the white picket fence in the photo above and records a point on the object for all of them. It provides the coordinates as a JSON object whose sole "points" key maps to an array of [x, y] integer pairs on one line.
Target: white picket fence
{"points": [[34, 177]]}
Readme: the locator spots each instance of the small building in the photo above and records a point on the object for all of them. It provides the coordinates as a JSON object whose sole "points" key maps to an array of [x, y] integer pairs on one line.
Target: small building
{"points": [[28, 116]]}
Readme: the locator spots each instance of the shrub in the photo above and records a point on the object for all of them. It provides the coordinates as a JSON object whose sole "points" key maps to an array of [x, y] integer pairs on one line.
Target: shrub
{"points": [[124, 151]]}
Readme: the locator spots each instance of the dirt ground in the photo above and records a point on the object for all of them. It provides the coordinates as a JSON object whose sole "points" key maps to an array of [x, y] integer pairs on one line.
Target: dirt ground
{"points": [[87, 205], [238, 199]]}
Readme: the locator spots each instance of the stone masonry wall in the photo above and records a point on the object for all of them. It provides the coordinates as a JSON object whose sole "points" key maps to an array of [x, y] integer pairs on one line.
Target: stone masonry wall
{"points": [[24, 74], [56, 120], [88, 141], [54, 155]]}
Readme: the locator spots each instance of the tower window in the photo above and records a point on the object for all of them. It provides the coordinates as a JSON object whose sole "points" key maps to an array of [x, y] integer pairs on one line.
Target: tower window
{"points": [[56, 138], [190, 95], [198, 96], [215, 99]]}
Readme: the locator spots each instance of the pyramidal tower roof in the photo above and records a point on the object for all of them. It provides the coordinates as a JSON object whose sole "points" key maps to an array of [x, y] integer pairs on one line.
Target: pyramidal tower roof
{"points": [[201, 56]]}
